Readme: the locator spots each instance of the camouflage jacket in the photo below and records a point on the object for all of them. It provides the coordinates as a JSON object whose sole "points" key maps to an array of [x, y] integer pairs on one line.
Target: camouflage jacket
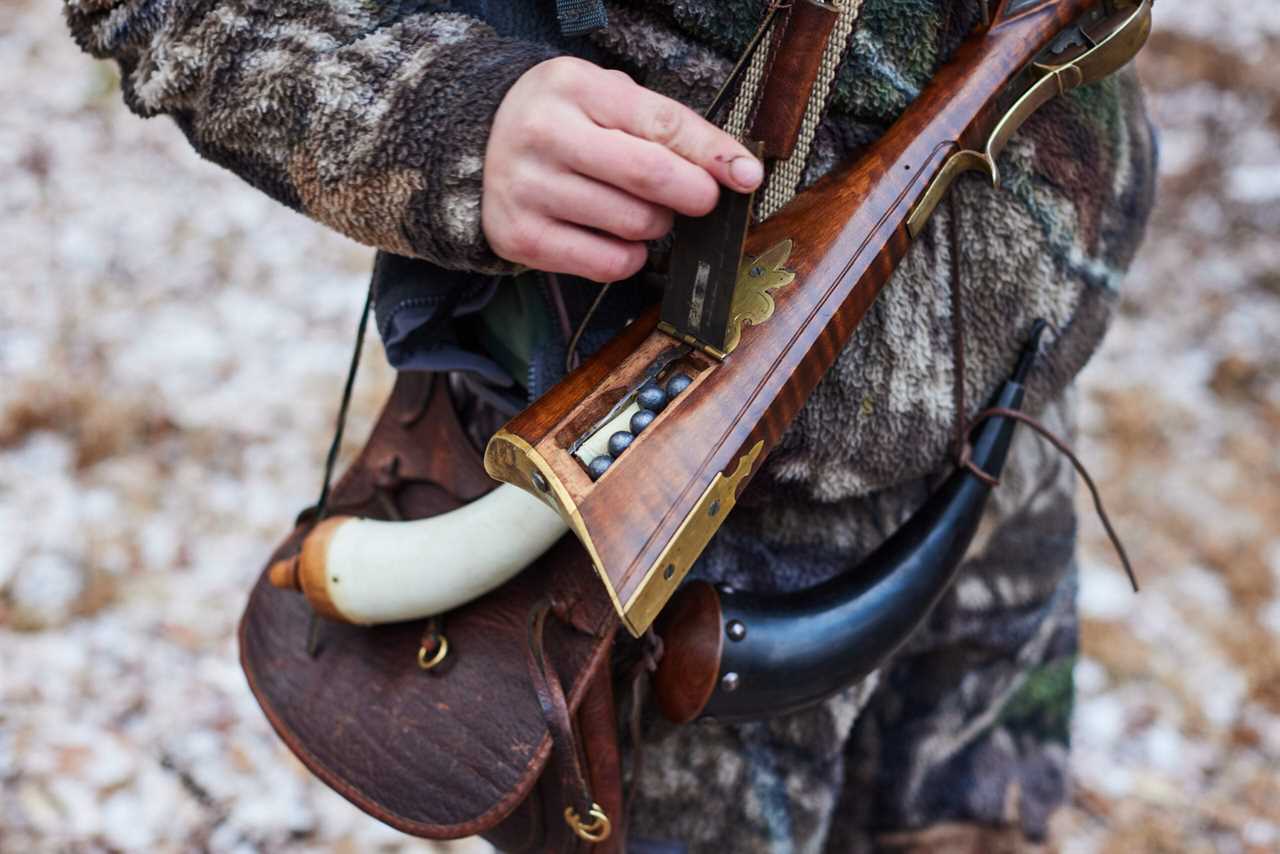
{"points": [[372, 117]]}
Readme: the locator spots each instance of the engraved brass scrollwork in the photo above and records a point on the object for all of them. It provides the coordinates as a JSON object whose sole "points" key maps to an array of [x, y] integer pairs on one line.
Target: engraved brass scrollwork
{"points": [[757, 277]]}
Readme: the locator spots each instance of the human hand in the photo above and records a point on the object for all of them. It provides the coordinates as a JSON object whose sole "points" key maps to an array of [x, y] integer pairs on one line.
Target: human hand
{"points": [[583, 165]]}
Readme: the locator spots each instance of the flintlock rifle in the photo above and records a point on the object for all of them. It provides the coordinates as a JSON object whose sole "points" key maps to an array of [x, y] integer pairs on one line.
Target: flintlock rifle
{"points": [[808, 276]]}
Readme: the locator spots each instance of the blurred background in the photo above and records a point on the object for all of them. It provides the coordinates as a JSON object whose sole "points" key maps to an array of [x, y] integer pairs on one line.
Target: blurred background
{"points": [[172, 346]]}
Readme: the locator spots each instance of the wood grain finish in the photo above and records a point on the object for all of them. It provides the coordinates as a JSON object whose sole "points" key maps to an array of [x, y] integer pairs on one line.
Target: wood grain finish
{"points": [[693, 642], [849, 234]]}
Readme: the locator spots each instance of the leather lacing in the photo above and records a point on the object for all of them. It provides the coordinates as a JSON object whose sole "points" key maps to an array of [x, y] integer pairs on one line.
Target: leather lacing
{"points": [[335, 445], [964, 428]]}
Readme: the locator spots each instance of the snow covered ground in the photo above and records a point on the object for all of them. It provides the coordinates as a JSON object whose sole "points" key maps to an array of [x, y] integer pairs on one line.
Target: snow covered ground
{"points": [[1177, 731], [172, 346]]}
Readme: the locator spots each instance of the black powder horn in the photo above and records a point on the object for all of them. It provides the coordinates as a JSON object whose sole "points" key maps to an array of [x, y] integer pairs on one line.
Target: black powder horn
{"points": [[735, 655]]}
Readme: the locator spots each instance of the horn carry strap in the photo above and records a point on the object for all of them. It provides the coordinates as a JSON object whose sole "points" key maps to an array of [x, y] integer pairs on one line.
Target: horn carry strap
{"points": [[964, 426], [335, 445]]}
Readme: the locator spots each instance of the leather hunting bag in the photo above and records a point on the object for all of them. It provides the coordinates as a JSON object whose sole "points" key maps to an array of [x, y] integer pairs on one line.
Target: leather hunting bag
{"points": [[495, 740]]}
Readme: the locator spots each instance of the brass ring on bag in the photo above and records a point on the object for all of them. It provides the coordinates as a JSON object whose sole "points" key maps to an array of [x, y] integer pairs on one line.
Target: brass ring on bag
{"points": [[597, 831], [434, 661]]}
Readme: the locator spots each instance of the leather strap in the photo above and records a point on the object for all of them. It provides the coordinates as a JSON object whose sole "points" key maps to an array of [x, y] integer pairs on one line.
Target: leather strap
{"points": [[964, 427], [798, 45], [598, 725], [575, 794], [785, 178], [1064, 449], [579, 17]]}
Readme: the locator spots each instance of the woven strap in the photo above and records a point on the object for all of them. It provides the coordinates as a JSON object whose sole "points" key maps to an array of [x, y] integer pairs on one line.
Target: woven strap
{"points": [[579, 17], [785, 177]]}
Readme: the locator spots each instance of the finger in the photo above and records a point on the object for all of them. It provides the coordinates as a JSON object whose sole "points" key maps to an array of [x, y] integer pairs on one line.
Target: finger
{"points": [[643, 169], [558, 247], [646, 114], [585, 201]]}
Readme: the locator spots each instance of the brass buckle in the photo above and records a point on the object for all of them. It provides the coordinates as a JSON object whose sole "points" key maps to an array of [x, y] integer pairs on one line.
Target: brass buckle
{"points": [[597, 830]]}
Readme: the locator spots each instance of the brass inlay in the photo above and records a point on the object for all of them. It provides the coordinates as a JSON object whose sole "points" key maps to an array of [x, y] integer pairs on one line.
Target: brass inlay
{"points": [[690, 539], [511, 459], [752, 302], [1104, 58]]}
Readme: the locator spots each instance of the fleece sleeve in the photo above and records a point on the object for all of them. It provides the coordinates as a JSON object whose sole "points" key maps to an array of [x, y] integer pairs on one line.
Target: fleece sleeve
{"points": [[370, 117]]}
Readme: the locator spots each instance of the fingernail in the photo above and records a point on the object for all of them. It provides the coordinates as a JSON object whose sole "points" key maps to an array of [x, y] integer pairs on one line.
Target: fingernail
{"points": [[746, 172]]}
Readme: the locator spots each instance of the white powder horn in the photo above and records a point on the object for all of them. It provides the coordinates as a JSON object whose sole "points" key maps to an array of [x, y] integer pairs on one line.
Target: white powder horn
{"points": [[368, 572]]}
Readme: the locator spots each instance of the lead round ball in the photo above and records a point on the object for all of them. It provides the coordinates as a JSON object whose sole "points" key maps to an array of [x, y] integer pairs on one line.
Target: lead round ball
{"points": [[599, 466], [619, 442], [677, 384], [652, 398], [641, 419]]}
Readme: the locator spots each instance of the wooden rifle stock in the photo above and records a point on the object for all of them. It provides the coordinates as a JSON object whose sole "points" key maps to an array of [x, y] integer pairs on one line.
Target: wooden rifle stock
{"points": [[809, 276]]}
